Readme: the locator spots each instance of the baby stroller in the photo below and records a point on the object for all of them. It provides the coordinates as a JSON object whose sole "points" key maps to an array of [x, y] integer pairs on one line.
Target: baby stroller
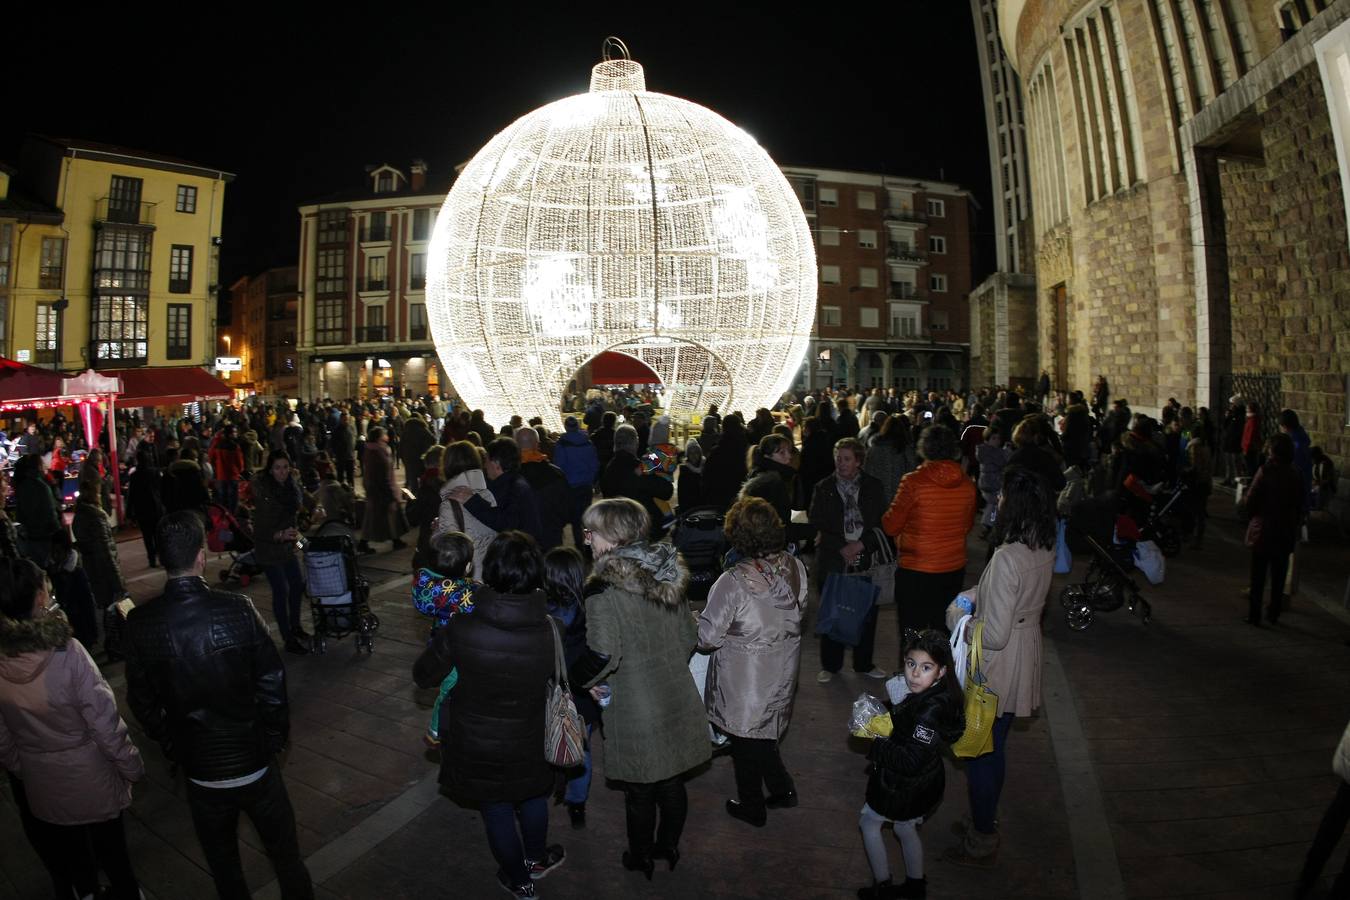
{"points": [[227, 534], [339, 597], [698, 535], [1109, 584], [1161, 515]]}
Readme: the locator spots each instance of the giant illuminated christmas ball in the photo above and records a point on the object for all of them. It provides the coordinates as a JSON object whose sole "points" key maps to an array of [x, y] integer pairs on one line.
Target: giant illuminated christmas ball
{"points": [[628, 221]]}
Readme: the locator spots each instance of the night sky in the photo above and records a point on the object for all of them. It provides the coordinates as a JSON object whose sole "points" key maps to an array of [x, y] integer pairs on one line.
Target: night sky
{"points": [[297, 107]]}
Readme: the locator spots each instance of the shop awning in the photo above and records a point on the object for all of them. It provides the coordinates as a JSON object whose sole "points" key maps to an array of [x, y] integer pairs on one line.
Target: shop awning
{"points": [[24, 385], [619, 368], [164, 386]]}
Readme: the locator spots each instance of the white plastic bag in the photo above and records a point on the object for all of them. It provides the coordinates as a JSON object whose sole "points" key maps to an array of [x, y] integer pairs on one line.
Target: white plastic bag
{"points": [[698, 668], [897, 689], [865, 709], [1149, 560], [961, 649]]}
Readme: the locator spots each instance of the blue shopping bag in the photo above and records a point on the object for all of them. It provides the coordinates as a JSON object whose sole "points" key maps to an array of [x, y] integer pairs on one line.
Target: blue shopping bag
{"points": [[1063, 558], [845, 603]]}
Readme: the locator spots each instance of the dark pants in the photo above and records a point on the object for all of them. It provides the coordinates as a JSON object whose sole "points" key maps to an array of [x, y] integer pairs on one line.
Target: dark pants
{"points": [[287, 591], [73, 854], [757, 762], [921, 598], [641, 802], [1328, 835], [511, 847], [1278, 566], [984, 778], [227, 493], [832, 652], [346, 469], [581, 498], [215, 814], [148, 530]]}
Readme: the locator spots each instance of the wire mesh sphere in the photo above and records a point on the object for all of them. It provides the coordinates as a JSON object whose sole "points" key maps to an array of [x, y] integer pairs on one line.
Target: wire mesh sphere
{"points": [[628, 221]]}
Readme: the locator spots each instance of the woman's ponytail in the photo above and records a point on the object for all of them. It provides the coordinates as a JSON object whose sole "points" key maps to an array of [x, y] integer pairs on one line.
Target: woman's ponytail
{"points": [[20, 581]]}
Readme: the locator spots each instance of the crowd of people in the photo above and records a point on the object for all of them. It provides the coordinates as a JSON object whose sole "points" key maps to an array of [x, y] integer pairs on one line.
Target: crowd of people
{"points": [[523, 533]]}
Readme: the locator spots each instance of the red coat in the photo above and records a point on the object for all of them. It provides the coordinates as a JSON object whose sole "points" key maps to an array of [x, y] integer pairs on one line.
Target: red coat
{"points": [[227, 463], [1251, 435], [930, 516]]}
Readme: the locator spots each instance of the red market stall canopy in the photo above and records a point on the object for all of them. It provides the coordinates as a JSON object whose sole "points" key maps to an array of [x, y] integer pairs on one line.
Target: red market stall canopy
{"points": [[618, 368], [24, 387], [163, 387]]}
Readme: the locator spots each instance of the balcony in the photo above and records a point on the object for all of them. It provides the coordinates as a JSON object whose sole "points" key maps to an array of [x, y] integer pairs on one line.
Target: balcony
{"points": [[906, 254], [377, 284], [417, 333], [375, 234], [902, 291], [417, 283], [115, 210], [896, 214], [372, 334]]}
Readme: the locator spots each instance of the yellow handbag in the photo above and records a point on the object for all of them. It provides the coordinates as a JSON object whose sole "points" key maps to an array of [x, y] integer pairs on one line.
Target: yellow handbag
{"points": [[981, 707]]}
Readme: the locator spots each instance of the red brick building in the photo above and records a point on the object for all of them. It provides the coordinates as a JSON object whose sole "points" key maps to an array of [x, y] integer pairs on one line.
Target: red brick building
{"points": [[895, 278], [264, 310]]}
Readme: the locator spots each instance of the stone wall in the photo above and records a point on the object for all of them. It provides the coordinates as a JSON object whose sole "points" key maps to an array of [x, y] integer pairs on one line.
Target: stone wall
{"points": [[1003, 331], [1289, 269]]}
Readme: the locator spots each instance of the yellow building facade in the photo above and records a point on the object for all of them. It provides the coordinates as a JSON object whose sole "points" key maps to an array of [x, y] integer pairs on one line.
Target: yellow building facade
{"points": [[109, 257]]}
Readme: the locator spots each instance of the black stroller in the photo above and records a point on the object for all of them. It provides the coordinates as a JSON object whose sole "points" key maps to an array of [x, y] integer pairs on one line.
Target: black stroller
{"points": [[697, 534], [339, 597], [1109, 584]]}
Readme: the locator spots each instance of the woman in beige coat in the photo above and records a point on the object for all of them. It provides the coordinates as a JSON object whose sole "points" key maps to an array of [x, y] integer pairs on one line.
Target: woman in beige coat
{"points": [[753, 621], [70, 762], [1008, 600]]}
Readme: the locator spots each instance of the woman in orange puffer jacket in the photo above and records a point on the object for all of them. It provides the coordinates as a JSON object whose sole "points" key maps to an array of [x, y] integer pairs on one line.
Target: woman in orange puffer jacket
{"points": [[929, 519]]}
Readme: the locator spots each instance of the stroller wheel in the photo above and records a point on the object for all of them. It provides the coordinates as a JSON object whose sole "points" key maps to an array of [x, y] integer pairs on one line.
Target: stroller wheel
{"points": [[1072, 595], [1169, 541], [1080, 618], [1146, 611]]}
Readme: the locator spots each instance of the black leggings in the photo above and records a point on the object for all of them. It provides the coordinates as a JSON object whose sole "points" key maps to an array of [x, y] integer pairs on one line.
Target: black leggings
{"points": [[641, 802], [74, 854]]}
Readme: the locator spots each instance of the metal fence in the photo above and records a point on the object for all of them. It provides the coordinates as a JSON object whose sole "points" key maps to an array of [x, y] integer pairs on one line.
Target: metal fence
{"points": [[1262, 387]]}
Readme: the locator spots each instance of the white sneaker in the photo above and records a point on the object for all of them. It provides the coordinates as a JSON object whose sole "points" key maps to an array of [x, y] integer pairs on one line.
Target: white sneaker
{"points": [[876, 673], [824, 677]]}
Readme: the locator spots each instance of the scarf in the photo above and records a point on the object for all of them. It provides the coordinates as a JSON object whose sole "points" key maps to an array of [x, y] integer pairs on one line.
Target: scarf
{"points": [[853, 520], [661, 561]]}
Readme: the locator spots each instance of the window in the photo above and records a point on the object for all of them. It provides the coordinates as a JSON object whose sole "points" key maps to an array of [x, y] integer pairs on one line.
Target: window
{"points": [[417, 272], [179, 341], [867, 277], [375, 273], [180, 269], [187, 199], [867, 200], [6, 249], [829, 315], [937, 244], [937, 283], [378, 230], [417, 321], [829, 274], [122, 259], [869, 317], [937, 209], [330, 320], [45, 346], [829, 236], [421, 224], [829, 196], [867, 238], [124, 200], [333, 226], [53, 261], [375, 323], [805, 189], [937, 319], [384, 182], [121, 327], [332, 272], [904, 323]]}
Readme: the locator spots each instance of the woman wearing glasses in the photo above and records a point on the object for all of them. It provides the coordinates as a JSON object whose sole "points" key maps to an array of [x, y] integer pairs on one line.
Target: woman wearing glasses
{"points": [[70, 762]]}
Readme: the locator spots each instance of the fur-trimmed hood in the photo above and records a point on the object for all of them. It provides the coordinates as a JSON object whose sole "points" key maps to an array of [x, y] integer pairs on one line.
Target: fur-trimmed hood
{"points": [[656, 571], [26, 645]]}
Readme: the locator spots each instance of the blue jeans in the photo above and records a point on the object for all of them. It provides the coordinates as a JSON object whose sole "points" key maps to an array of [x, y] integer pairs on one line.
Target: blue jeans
{"points": [[511, 847], [288, 588], [227, 492], [579, 788], [984, 778]]}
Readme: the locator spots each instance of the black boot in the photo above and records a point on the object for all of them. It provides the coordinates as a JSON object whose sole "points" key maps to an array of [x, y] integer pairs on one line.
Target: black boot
{"points": [[641, 864], [912, 889]]}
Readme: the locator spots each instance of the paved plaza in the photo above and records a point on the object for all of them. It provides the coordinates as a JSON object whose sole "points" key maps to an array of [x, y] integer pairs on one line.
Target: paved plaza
{"points": [[1191, 757]]}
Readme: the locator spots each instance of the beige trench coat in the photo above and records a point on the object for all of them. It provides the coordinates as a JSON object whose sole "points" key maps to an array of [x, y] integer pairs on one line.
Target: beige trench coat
{"points": [[753, 621], [1009, 600]]}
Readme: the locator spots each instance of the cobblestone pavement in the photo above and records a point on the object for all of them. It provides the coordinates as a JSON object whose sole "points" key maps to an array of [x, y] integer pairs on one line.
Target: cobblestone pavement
{"points": [[1190, 757]]}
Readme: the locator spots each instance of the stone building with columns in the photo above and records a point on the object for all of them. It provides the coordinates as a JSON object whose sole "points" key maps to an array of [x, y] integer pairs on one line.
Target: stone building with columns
{"points": [[1187, 163], [362, 329], [894, 258]]}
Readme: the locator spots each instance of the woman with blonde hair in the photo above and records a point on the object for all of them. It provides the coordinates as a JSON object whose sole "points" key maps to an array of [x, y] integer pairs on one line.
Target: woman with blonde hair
{"points": [[639, 635]]}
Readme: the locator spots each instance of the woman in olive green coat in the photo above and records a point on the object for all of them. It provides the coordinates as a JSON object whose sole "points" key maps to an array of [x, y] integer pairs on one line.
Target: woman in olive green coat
{"points": [[639, 634]]}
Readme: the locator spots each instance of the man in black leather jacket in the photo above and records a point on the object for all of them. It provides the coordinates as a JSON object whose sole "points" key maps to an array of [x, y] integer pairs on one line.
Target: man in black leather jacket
{"points": [[206, 682]]}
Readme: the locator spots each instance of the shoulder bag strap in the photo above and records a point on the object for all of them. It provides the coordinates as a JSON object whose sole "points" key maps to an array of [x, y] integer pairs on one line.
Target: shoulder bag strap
{"points": [[974, 667], [459, 514], [559, 670]]}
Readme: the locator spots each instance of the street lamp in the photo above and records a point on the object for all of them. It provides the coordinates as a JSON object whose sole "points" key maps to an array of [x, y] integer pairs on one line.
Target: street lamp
{"points": [[227, 344]]}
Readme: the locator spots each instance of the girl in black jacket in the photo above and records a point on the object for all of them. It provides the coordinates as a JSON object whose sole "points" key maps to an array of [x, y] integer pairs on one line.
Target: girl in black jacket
{"points": [[907, 778]]}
